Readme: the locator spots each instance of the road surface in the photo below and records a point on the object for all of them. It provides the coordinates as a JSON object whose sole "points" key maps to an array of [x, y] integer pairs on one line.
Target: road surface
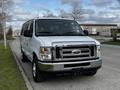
{"points": [[107, 78]]}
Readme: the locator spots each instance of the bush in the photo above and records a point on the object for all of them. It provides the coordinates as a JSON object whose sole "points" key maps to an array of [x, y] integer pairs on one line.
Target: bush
{"points": [[1, 37], [9, 34], [7, 37], [10, 38], [10, 31]]}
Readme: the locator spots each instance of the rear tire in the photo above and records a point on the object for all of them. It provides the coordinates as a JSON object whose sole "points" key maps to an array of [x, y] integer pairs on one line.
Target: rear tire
{"points": [[90, 73], [36, 73]]}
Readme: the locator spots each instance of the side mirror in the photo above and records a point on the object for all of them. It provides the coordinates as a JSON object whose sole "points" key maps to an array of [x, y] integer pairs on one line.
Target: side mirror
{"points": [[86, 32], [27, 33]]}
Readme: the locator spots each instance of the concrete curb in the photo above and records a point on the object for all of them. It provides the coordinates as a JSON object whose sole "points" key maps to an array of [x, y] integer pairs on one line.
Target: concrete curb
{"points": [[27, 82]]}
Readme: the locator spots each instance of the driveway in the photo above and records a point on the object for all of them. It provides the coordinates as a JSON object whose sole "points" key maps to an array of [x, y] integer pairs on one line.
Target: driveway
{"points": [[107, 78]]}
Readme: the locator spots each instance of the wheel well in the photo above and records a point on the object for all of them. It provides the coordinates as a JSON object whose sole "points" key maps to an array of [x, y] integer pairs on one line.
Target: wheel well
{"points": [[34, 55], [21, 48]]}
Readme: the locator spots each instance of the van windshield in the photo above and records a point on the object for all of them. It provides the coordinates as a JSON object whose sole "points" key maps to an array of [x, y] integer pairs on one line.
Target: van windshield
{"points": [[58, 27]]}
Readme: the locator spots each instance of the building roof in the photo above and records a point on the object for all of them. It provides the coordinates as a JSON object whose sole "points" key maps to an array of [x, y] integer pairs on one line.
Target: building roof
{"points": [[98, 24]]}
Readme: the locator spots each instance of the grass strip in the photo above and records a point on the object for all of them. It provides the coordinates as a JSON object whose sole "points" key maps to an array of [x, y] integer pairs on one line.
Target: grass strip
{"points": [[10, 76]]}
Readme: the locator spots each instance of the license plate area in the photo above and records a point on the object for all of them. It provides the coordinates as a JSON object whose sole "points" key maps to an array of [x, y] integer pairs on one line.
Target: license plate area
{"points": [[76, 65]]}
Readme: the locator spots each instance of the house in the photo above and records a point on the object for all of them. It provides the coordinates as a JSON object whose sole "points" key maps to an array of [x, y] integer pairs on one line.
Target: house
{"points": [[99, 29]]}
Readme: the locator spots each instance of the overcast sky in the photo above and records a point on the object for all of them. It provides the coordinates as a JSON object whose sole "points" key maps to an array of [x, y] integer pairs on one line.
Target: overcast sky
{"points": [[95, 11]]}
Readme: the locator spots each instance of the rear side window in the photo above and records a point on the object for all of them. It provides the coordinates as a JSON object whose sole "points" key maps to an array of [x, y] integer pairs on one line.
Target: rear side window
{"points": [[30, 27], [22, 32], [25, 27]]}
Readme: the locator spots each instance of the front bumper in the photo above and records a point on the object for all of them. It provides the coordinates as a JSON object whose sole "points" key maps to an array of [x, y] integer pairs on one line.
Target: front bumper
{"points": [[68, 66]]}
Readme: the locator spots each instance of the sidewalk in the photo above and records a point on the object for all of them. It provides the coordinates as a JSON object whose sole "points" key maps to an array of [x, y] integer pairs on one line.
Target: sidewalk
{"points": [[19, 64]]}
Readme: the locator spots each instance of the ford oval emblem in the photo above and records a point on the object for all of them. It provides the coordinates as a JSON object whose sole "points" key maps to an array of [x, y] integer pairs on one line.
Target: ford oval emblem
{"points": [[77, 51]]}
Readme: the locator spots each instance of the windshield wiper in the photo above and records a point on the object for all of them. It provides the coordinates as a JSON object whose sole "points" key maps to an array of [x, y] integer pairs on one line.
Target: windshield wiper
{"points": [[45, 32], [48, 34], [73, 33]]}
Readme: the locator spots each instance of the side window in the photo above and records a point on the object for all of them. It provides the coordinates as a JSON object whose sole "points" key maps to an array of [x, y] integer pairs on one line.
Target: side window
{"points": [[22, 31], [25, 27], [30, 28]]}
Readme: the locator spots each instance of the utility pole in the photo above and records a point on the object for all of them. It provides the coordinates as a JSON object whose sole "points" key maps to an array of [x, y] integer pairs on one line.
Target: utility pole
{"points": [[4, 24]]}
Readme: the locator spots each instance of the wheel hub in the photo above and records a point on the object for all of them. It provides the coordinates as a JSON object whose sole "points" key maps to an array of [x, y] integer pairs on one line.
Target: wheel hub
{"points": [[34, 69]]}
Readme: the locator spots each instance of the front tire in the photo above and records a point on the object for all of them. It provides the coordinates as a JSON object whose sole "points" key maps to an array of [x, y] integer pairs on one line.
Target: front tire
{"points": [[36, 73]]}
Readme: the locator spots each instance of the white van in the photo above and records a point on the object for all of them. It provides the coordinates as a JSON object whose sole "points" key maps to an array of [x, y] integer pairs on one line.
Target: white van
{"points": [[58, 45]]}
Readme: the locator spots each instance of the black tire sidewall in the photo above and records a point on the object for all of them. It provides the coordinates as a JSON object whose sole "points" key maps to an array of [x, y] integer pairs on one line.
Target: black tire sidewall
{"points": [[36, 74], [38, 77]]}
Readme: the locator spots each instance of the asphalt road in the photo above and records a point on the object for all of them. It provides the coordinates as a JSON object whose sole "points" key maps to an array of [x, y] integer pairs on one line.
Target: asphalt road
{"points": [[107, 78]]}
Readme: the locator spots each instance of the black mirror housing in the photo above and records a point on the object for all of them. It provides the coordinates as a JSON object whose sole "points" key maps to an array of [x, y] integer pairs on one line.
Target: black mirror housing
{"points": [[86, 32]]}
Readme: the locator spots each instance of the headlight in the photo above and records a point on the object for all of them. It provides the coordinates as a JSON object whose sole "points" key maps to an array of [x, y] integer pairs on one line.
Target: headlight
{"points": [[98, 51], [45, 53]]}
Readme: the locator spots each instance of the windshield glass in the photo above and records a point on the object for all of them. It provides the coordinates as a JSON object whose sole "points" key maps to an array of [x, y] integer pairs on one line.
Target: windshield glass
{"points": [[55, 27]]}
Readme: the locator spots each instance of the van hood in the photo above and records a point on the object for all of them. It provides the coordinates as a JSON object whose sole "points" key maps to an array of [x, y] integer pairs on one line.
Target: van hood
{"points": [[67, 40]]}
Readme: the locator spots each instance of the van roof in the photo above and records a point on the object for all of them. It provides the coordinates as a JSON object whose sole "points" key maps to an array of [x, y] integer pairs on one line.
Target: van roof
{"points": [[54, 18]]}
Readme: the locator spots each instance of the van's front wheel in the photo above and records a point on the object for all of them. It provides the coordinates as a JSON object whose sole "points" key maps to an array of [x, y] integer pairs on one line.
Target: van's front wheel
{"points": [[37, 74]]}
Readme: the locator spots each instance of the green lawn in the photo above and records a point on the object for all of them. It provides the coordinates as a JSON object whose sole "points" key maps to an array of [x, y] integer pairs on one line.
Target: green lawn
{"points": [[7, 37], [112, 42], [10, 76]]}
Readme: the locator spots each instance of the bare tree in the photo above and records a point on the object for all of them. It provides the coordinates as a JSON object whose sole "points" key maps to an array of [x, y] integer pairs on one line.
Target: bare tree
{"points": [[5, 11], [64, 14], [48, 13], [75, 12], [6, 7]]}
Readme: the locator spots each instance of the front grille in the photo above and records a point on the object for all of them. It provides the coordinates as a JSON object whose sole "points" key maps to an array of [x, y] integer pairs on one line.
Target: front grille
{"points": [[75, 52]]}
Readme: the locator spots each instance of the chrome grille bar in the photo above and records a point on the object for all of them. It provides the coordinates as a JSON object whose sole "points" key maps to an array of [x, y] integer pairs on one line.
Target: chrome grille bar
{"points": [[66, 53]]}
